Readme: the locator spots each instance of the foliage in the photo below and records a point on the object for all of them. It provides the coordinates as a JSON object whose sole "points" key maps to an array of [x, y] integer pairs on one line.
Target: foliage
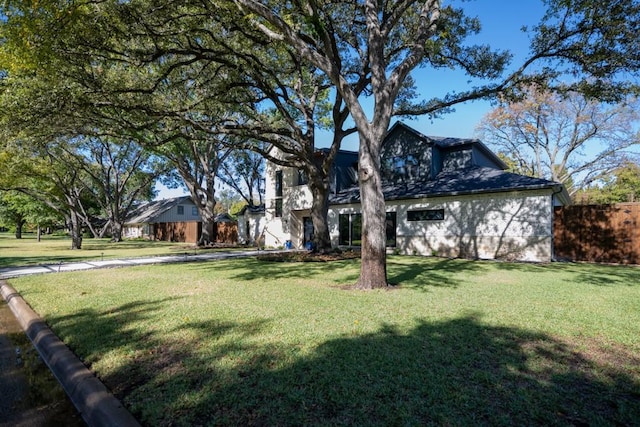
{"points": [[621, 185], [562, 137], [242, 342], [385, 41], [17, 209], [291, 55], [244, 171]]}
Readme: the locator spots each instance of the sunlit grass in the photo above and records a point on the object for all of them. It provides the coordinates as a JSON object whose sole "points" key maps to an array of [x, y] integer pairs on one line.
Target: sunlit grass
{"points": [[246, 342], [56, 248]]}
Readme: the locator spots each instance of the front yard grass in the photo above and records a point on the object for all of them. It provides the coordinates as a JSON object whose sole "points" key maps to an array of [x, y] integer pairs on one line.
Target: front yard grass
{"points": [[249, 342], [53, 249]]}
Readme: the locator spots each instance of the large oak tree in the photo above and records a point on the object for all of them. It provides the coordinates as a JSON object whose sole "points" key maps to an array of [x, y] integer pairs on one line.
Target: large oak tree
{"points": [[390, 39]]}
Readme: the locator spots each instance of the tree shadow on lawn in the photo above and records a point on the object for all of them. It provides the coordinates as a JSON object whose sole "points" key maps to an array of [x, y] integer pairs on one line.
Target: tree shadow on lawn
{"points": [[249, 269], [420, 274], [585, 273], [451, 372], [438, 272]]}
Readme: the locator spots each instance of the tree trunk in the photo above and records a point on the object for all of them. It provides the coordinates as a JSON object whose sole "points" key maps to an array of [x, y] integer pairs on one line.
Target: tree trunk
{"points": [[75, 225], [320, 213], [373, 268], [207, 213], [19, 224], [116, 231]]}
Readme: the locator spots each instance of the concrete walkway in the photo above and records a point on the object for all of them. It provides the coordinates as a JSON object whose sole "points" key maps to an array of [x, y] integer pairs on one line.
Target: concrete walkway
{"points": [[10, 272], [96, 405]]}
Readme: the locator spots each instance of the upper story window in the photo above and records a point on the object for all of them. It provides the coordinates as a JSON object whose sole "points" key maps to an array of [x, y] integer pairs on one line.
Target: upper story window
{"points": [[401, 168], [278, 201], [194, 211], [303, 179], [279, 183], [180, 210]]}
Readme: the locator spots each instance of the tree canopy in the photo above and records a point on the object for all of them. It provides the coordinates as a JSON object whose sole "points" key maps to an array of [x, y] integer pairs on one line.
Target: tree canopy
{"points": [[564, 137]]}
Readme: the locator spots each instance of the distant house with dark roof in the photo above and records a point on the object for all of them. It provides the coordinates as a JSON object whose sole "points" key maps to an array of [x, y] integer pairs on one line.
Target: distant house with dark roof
{"points": [[444, 196], [173, 220]]}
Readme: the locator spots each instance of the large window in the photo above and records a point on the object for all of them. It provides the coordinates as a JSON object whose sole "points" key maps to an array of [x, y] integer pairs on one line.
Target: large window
{"points": [[350, 229], [426, 215], [391, 229], [278, 203]]}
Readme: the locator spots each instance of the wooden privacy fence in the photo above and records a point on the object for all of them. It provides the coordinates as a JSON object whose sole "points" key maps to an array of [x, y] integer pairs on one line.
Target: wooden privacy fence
{"points": [[598, 233], [190, 231]]}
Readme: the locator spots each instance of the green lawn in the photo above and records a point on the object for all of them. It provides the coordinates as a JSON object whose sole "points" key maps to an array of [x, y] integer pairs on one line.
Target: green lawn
{"points": [[55, 248], [247, 342]]}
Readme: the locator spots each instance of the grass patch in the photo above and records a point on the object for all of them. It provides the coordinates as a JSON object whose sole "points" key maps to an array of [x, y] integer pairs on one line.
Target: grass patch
{"points": [[53, 249], [248, 342]]}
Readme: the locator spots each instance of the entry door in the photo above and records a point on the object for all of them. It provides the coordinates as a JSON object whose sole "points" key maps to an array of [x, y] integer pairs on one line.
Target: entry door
{"points": [[307, 225]]}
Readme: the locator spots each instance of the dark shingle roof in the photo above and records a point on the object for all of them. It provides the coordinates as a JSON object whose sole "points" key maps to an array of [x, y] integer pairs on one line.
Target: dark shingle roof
{"points": [[472, 180], [252, 209], [148, 212]]}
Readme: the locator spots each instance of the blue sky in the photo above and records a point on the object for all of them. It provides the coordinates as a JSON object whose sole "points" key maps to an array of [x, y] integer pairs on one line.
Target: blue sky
{"points": [[501, 21]]}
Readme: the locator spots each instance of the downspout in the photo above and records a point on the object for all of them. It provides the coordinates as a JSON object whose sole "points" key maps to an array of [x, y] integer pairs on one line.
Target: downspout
{"points": [[556, 190]]}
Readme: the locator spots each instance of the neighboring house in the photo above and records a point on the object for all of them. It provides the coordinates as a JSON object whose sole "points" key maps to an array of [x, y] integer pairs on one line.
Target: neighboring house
{"points": [[251, 223], [174, 220], [444, 196]]}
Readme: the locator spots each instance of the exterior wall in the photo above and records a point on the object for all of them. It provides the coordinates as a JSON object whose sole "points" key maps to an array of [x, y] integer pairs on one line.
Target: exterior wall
{"points": [[513, 226], [256, 224], [277, 230], [134, 231], [172, 215]]}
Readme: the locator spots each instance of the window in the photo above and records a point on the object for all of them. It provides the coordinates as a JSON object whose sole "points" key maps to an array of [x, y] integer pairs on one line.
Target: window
{"points": [[278, 203], [194, 211], [278, 183], [401, 168], [302, 177], [391, 229], [350, 229], [180, 210], [426, 215]]}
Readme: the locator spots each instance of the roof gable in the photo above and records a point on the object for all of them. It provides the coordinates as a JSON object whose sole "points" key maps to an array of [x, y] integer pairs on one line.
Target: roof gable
{"points": [[148, 212]]}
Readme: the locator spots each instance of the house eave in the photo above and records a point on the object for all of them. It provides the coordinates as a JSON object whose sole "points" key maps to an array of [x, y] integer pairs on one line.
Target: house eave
{"points": [[439, 194]]}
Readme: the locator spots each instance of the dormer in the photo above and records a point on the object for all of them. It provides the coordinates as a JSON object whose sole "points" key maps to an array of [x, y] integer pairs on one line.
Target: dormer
{"points": [[409, 156]]}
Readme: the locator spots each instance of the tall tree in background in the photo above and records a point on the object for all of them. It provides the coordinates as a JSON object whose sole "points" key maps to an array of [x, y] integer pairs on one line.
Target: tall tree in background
{"points": [[621, 185], [388, 40], [563, 137], [243, 170]]}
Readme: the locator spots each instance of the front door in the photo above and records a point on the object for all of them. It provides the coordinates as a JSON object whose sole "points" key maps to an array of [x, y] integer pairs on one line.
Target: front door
{"points": [[307, 227]]}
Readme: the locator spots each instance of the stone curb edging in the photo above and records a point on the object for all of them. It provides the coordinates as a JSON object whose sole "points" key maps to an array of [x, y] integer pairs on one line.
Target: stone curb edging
{"points": [[96, 405]]}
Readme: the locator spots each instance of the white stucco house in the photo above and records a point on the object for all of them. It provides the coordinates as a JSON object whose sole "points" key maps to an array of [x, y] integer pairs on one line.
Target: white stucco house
{"points": [[444, 196]]}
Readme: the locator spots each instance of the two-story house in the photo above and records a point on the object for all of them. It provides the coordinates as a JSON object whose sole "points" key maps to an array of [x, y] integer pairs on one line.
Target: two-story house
{"points": [[444, 196]]}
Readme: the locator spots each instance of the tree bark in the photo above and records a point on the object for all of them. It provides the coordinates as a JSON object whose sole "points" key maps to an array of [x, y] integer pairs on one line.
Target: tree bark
{"points": [[116, 231], [75, 224], [19, 224], [319, 187], [373, 268]]}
